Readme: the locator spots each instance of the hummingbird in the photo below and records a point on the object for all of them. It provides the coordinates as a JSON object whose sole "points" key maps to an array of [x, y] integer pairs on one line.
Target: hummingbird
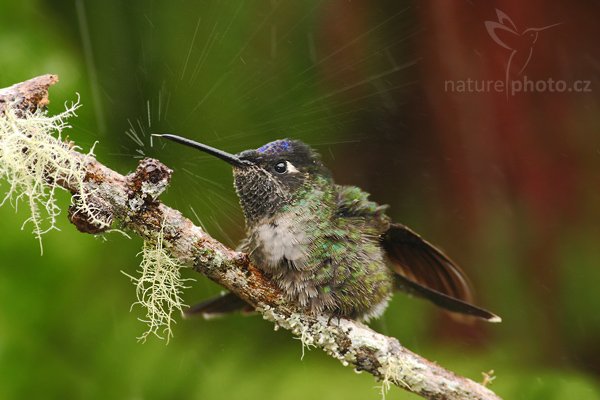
{"points": [[327, 247], [520, 42]]}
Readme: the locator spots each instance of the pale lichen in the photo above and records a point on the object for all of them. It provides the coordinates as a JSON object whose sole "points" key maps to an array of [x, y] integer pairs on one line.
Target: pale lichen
{"points": [[311, 333], [34, 158], [347, 341], [488, 377], [158, 288], [390, 371]]}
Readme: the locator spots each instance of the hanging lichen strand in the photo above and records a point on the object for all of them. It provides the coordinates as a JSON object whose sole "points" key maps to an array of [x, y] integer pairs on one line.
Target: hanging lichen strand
{"points": [[33, 159], [158, 288]]}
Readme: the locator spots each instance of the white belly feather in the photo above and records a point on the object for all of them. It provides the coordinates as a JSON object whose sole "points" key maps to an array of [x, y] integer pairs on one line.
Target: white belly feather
{"points": [[279, 240]]}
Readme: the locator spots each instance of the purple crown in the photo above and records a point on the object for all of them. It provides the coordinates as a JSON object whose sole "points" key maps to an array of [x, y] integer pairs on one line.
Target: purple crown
{"points": [[276, 147]]}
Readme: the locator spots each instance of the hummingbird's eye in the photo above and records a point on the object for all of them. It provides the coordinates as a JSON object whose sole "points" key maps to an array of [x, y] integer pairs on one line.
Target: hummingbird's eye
{"points": [[280, 167]]}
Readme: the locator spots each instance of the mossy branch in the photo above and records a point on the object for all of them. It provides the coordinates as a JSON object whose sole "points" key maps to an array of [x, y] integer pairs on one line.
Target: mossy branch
{"points": [[132, 201]]}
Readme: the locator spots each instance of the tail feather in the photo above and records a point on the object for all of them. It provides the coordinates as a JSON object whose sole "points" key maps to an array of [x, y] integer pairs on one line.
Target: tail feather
{"points": [[218, 306], [447, 302], [425, 271]]}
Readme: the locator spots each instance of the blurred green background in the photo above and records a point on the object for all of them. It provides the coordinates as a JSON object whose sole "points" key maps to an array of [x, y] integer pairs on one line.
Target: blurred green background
{"points": [[508, 185]]}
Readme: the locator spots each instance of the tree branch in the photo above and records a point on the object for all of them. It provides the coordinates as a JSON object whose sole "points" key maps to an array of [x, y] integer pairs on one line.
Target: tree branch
{"points": [[132, 200], [27, 96]]}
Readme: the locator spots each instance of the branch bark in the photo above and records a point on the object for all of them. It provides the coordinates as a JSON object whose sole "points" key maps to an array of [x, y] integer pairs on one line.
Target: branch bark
{"points": [[132, 200]]}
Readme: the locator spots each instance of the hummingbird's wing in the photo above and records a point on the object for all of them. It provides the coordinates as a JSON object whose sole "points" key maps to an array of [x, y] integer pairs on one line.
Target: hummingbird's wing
{"points": [[505, 19], [426, 271], [218, 306], [503, 35]]}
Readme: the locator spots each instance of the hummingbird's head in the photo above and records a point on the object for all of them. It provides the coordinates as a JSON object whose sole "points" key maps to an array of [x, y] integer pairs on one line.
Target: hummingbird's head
{"points": [[271, 176]]}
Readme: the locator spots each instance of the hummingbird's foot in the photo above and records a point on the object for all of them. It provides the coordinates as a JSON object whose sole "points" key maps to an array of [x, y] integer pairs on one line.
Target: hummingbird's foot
{"points": [[332, 316]]}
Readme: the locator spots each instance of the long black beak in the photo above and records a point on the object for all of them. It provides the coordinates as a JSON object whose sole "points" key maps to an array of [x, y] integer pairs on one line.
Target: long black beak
{"points": [[230, 158]]}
